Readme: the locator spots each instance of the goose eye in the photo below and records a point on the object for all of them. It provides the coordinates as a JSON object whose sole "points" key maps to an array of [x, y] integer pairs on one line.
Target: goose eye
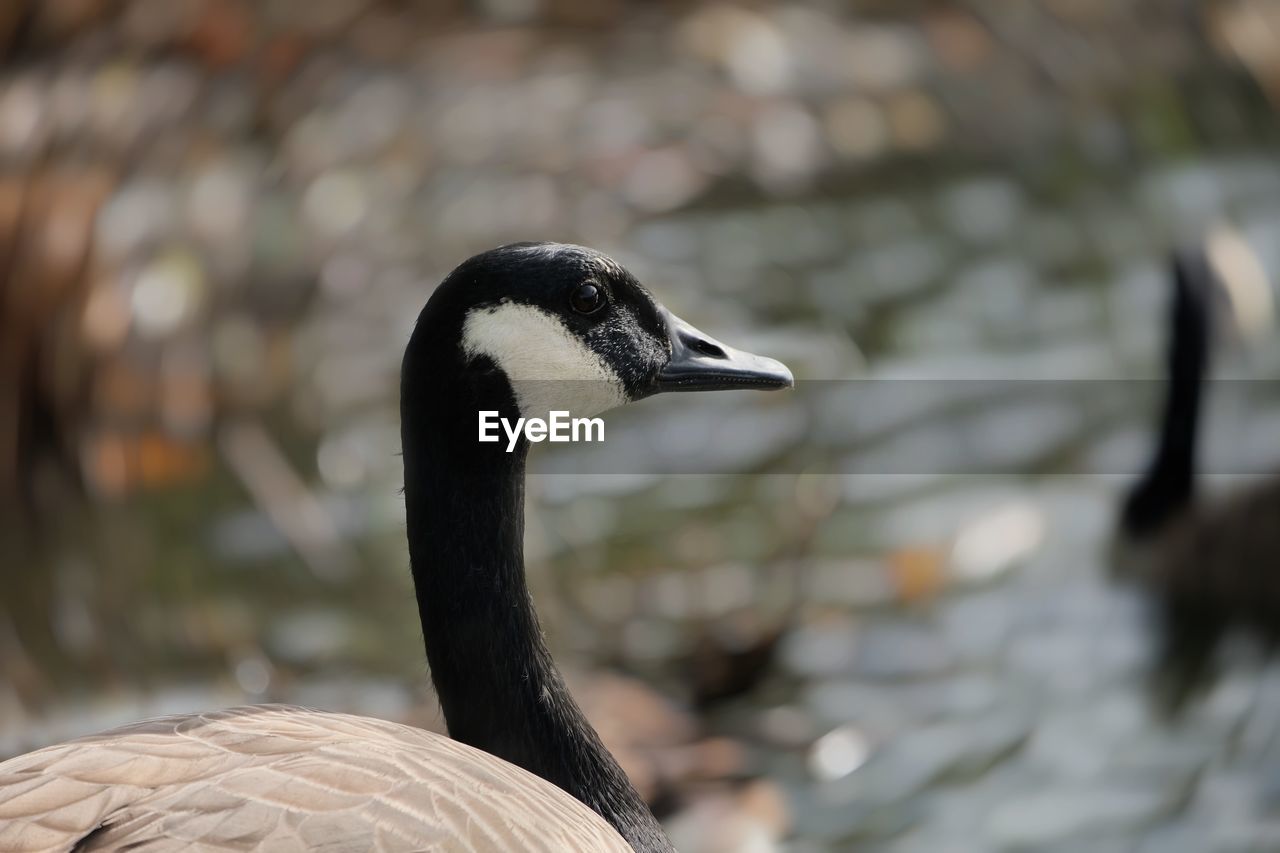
{"points": [[587, 299]]}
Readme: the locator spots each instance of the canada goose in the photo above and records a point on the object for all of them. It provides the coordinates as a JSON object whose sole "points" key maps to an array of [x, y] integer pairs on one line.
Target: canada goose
{"points": [[1209, 567], [522, 329]]}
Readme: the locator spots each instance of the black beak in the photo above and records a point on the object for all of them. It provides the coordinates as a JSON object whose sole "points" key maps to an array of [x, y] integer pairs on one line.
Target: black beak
{"points": [[701, 363]]}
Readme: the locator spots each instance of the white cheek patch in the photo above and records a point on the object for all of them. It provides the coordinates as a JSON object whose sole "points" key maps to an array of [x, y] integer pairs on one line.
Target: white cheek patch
{"points": [[549, 367]]}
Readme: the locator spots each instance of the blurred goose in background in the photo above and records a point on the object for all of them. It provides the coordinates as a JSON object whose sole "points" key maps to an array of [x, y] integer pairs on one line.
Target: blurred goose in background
{"points": [[520, 330], [1211, 567]]}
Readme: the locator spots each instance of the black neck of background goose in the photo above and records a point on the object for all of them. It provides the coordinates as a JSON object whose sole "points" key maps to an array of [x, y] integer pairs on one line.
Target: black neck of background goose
{"points": [[497, 683], [1168, 485]]}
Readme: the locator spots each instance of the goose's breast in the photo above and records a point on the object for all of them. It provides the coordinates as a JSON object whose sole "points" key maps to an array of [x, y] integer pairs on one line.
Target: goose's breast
{"points": [[282, 779]]}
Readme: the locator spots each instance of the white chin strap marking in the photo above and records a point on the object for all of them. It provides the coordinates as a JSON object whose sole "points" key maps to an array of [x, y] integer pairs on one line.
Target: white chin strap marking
{"points": [[548, 366]]}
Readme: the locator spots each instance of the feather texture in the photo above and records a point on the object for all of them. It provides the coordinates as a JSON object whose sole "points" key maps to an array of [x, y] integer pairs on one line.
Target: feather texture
{"points": [[282, 778]]}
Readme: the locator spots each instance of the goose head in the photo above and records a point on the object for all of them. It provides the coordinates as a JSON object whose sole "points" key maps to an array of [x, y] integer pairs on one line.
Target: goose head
{"points": [[529, 328]]}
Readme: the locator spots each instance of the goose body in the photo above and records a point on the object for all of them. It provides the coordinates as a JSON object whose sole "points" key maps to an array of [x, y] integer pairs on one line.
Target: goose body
{"points": [[281, 778], [1215, 572], [520, 330], [1210, 566]]}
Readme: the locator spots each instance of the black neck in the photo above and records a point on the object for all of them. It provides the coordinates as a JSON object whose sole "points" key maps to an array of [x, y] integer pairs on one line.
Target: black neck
{"points": [[498, 686], [1168, 485]]}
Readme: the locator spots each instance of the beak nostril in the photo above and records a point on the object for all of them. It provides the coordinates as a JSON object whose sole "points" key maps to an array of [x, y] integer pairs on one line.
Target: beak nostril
{"points": [[706, 348], [700, 363]]}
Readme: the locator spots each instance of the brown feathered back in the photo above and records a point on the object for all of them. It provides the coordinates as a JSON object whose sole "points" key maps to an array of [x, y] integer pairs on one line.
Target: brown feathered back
{"points": [[1215, 571], [283, 778]]}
